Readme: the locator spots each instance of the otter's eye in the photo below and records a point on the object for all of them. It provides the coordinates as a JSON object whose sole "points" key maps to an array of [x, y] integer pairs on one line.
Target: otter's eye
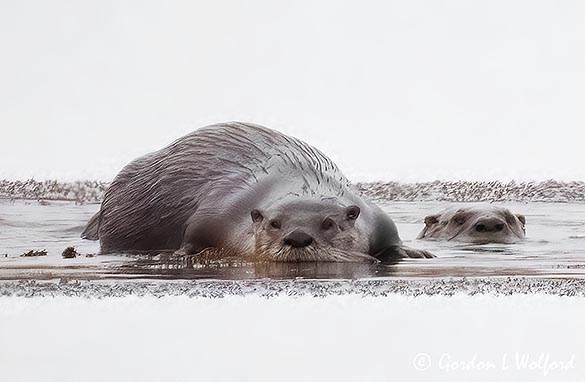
{"points": [[275, 224], [328, 223], [256, 216]]}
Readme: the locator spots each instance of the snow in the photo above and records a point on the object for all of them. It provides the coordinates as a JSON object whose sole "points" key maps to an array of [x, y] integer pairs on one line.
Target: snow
{"points": [[254, 338]]}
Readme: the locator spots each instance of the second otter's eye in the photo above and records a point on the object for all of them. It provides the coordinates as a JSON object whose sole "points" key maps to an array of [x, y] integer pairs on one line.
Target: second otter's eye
{"points": [[275, 224], [328, 223], [459, 218]]}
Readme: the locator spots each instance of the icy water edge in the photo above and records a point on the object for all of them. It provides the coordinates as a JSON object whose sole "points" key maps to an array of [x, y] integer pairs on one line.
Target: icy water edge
{"points": [[554, 247]]}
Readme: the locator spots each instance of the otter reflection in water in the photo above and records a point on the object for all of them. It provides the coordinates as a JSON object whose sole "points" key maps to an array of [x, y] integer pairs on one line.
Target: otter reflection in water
{"points": [[193, 267]]}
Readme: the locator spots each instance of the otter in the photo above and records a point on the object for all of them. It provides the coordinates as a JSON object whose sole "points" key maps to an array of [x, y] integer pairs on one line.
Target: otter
{"points": [[247, 191], [479, 224]]}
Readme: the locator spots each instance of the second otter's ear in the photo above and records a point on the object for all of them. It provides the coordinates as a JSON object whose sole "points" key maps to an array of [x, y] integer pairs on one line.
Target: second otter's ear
{"points": [[352, 212], [431, 219], [522, 218], [257, 216]]}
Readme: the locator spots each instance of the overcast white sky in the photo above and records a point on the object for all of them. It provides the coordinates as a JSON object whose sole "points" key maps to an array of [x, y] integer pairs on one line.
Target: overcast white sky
{"points": [[395, 90]]}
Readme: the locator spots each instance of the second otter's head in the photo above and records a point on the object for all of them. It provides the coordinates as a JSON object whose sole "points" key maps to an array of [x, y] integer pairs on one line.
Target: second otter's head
{"points": [[308, 230], [483, 224]]}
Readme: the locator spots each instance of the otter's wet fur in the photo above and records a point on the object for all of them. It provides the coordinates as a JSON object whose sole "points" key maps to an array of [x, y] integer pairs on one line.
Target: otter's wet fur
{"points": [[224, 186]]}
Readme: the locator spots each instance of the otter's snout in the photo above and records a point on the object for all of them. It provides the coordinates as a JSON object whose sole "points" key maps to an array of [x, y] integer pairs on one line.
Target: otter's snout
{"points": [[298, 239], [489, 225]]}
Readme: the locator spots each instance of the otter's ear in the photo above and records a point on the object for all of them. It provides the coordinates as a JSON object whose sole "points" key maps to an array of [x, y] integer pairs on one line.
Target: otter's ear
{"points": [[257, 216], [431, 219], [352, 212], [522, 218]]}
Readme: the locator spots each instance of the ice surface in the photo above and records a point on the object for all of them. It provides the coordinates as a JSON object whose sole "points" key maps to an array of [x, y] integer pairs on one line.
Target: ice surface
{"points": [[252, 338]]}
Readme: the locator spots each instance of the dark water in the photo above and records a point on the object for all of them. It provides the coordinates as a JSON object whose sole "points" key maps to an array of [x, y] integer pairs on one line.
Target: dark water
{"points": [[555, 246]]}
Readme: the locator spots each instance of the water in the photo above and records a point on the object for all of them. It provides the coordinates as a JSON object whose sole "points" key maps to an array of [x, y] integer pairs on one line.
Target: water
{"points": [[554, 247]]}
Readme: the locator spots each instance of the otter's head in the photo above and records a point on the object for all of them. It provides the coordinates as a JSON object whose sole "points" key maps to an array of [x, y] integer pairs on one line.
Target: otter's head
{"points": [[308, 231], [476, 225]]}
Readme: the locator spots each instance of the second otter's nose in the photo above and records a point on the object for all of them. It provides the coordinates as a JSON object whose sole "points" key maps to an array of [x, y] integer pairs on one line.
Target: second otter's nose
{"points": [[298, 239], [489, 225]]}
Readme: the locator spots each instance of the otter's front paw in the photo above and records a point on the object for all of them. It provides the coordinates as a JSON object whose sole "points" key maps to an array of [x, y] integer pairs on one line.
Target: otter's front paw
{"points": [[415, 253], [393, 255]]}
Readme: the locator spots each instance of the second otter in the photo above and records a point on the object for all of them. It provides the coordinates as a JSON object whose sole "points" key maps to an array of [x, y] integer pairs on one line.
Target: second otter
{"points": [[479, 224]]}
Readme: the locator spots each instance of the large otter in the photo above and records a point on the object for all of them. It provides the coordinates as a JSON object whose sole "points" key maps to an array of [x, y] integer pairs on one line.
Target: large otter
{"points": [[480, 224], [247, 191]]}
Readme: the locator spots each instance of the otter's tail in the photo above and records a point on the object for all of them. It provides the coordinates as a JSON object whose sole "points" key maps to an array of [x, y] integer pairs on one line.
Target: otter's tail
{"points": [[91, 229]]}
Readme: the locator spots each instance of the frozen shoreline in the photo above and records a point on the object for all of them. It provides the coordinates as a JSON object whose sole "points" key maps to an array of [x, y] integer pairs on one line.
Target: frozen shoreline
{"points": [[211, 289], [454, 191]]}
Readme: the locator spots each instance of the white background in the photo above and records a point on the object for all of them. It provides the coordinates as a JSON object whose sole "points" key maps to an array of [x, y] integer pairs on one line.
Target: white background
{"points": [[394, 90], [337, 338]]}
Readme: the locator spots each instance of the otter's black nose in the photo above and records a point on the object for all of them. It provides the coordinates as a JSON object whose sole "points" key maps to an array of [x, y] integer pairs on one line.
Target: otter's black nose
{"points": [[489, 225], [298, 239]]}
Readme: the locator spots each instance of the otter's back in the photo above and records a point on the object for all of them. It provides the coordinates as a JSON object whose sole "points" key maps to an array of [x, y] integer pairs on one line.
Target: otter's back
{"points": [[148, 203]]}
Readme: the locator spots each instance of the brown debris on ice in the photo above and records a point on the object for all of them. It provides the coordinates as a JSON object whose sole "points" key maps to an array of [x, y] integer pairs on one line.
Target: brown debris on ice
{"points": [[450, 191], [34, 253], [49, 190], [468, 191], [70, 253], [296, 288]]}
